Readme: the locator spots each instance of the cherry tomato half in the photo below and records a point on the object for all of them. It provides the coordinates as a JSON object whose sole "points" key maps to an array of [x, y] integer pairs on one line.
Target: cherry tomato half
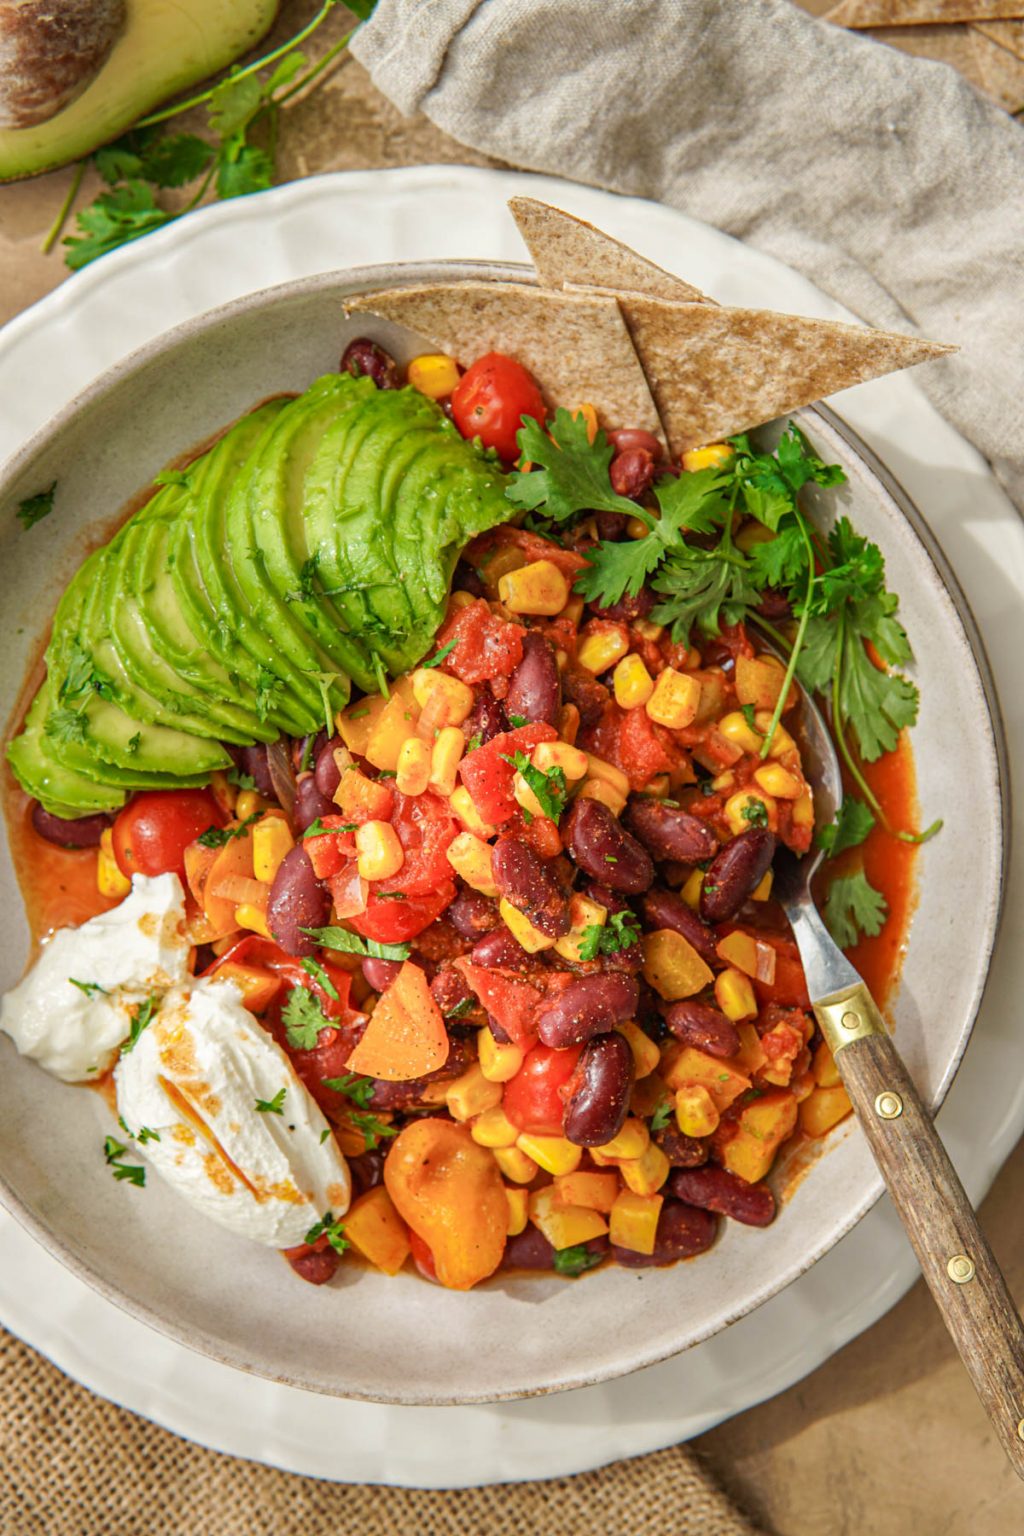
{"points": [[491, 399], [394, 922], [532, 1099], [154, 829]]}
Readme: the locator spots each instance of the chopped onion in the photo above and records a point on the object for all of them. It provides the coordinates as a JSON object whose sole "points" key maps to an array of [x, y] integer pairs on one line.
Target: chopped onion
{"points": [[350, 891], [764, 962]]}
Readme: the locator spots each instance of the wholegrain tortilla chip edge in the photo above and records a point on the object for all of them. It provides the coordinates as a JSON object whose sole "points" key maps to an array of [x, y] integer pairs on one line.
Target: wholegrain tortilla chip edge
{"points": [[864, 15]]}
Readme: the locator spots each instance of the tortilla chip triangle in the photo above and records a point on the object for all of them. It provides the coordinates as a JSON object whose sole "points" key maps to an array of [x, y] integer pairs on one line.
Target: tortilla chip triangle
{"points": [[1008, 34], [576, 345], [912, 13], [992, 69], [569, 253]]}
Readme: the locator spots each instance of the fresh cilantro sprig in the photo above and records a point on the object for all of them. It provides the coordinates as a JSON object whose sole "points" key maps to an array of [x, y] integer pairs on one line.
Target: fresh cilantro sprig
{"points": [[374, 1129], [219, 837], [548, 785], [853, 907], [315, 969], [33, 509], [620, 932], [352, 944], [114, 1152], [303, 1019], [353, 1086], [333, 1230], [141, 1020], [575, 1260], [90, 988], [848, 828], [274, 1106]]}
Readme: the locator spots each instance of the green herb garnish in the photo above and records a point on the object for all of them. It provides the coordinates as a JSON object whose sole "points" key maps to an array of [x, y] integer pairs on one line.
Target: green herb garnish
{"points": [[114, 1151], [218, 837], [358, 1089], [141, 1019], [332, 1230], [303, 1019], [574, 1261], [352, 944], [548, 784], [90, 988], [274, 1106], [439, 656], [853, 907], [620, 932], [34, 508], [315, 969]]}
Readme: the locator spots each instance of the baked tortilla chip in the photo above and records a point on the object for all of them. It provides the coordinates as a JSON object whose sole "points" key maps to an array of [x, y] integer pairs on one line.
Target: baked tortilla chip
{"points": [[576, 345], [1008, 34], [569, 253], [993, 70], [863, 14], [715, 370]]}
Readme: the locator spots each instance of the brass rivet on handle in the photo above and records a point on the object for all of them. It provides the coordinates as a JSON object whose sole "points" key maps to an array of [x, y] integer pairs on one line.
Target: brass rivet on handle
{"points": [[960, 1269], [889, 1105], [850, 1020], [1020, 1430]]}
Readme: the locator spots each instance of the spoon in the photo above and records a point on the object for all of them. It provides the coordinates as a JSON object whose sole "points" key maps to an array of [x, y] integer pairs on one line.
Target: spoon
{"points": [[954, 1255]]}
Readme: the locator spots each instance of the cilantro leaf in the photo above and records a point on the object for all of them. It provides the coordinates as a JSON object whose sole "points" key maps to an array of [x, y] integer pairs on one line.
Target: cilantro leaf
{"points": [[333, 1230], [851, 825], [269, 689], [303, 1019], [274, 1106], [755, 812], [704, 588], [548, 784], [65, 725], [218, 837], [175, 160], [374, 1130], [115, 218], [114, 1151], [878, 705], [315, 969], [90, 988], [358, 1089], [141, 1019], [573, 472], [780, 561], [620, 932], [662, 1115], [33, 509], [439, 656], [243, 169], [575, 1260], [853, 907], [352, 944]]}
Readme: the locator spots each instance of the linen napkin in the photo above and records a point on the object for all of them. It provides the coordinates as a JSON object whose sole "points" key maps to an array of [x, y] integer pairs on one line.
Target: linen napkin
{"points": [[886, 179]]}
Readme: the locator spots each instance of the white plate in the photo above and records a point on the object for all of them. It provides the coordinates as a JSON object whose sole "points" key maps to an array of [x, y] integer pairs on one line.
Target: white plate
{"points": [[342, 221]]}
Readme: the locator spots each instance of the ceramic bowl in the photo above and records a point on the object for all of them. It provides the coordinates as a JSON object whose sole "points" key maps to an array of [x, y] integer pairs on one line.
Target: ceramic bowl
{"points": [[401, 1340]]}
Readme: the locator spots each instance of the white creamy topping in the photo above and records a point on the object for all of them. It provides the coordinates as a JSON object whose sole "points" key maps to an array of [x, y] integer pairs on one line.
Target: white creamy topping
{"points": [[119, 958], [194, 1078]]}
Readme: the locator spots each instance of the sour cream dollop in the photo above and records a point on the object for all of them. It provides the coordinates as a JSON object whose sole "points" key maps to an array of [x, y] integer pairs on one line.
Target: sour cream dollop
{"points": [[75, 1007], [188, 1091]]}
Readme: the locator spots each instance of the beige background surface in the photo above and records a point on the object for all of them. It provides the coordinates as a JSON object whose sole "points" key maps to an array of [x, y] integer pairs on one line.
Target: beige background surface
{"points": [[886, 1438]]}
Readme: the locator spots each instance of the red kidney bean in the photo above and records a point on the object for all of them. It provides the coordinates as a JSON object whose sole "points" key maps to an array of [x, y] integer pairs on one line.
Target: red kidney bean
{"points": [[327, 772], [682, 1151], [582, 688], [310, 803], [317, 1265], [683, 1231], [774, 606], [714, 1189], [364, 357], [628, 609], [530, 885], [664, 909], [598, 1100], [449, 989], [588, 1006], [306, 749], [706, 1028], [632, 472], [499, 951], [297, 900], [610, 525], [79, 832], [669, 832], [535, 688], [466, 579], [605, 850], [530, 1249], [486, 719], [623, 439], [253, 761], [500, 1033], [604, 897], [367, 1170], [380, 973], [472, 914], [734, 873]]}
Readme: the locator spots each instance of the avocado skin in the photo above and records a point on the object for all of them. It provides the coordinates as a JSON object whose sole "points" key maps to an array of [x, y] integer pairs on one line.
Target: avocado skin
{"points": [[311, 545]]}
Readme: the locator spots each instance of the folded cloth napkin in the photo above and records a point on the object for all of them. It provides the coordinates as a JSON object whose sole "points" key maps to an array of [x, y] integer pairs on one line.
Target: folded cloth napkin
{"points": [[884, 178]]}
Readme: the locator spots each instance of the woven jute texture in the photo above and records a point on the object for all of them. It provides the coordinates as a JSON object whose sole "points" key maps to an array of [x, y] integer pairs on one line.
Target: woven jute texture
{"points": [[74, 1465]]}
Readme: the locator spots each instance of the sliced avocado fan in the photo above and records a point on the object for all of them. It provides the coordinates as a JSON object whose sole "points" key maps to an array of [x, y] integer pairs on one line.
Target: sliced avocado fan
{"points": [[310, 548]]}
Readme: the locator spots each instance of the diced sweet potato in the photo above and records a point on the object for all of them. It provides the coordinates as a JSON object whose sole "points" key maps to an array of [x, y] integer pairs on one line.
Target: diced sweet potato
{"points": [[683, 1064], [823, 1109], [374, 1227]]}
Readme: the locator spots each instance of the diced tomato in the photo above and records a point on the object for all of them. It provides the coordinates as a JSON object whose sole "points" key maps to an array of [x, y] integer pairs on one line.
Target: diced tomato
{"points": [[361, 798], [263, 954], [395, 922], [491, 399], [531, 545], [154, 829], [512, 1003], [485, 645], [533, 1099], [489, 778], [633, 742], [426, 828], [328, 851]]}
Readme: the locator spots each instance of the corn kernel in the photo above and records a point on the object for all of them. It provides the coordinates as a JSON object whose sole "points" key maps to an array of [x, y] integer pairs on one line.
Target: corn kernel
{"points": [[493, 1128], [608, 774], [696, 1114], [782, 742], [648, 630], [723, 781], [583, 914], [109, 879], [515, 1164], [763, 890], [552, 1153], [271, 840], [735, 995], [633, 1222], [248, 916], [433, 374], [539, 588], [636, 528], [564, 1225], [707, 458], [498, 1063], [457, 601], [646, 1055], [413, 772], [573, 610], [735, 728], [525, 797], [445, 759], [568, 723], [379, 854], [778, 781], [559, 754], [675, 700], [646, 1174], [605, 793], [224, 792], [522, 930], [631, 1142], [672, 966], [248, 803], [471, 1094], [471, 858], [461, 802], [602, 649], [826, 1073], [803, 810], [428, 682], [518, 1210], [690, 892], [659, 786], [739, 807], [596, 1191], [632, 683]]}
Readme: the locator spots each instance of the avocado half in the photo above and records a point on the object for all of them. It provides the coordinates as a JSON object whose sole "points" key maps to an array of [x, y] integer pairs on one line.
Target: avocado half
{"points": [[164, 47]]}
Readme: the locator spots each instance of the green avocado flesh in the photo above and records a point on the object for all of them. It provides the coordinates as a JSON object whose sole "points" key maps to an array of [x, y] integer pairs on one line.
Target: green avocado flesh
{"points": [[310, 549]]}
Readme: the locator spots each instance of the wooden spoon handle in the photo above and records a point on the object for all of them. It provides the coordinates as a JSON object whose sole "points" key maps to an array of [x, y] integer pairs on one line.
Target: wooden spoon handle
{"points": [[955, 1257]]}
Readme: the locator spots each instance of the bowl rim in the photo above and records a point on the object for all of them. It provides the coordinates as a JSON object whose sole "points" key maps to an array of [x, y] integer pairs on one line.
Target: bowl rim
{"points": [[366, 278]]}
